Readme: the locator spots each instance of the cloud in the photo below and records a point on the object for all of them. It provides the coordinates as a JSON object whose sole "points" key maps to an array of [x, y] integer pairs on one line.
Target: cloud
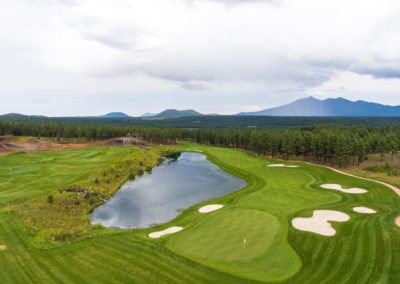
{"points": [[235, 52]]}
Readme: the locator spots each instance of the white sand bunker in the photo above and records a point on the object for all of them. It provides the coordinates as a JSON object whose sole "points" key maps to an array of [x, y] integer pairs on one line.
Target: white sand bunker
{"points": [[362, 209], [210, 208], [282, 166], [165, 232], [318, 223], [353, 190], [3, 248]]}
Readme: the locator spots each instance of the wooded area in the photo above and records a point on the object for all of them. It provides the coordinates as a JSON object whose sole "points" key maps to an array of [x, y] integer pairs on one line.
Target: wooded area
{"points": [[333, 144]]}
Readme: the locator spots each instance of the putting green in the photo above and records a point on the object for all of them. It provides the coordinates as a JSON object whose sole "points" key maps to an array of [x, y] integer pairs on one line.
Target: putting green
{"points": [[234, 234]]}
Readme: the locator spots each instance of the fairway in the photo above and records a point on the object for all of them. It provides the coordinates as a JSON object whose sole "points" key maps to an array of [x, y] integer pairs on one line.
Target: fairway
{"points": [[249, 239]]}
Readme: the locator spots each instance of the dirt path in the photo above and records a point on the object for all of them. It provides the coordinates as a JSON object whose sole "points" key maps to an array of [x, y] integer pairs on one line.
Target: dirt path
{"points": [[395, 189]]}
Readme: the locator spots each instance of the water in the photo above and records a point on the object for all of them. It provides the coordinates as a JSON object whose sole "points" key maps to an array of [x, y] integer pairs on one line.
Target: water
{"points": [[159, 197]]}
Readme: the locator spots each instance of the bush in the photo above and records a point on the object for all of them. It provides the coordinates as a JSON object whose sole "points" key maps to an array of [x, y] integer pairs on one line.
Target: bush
{"points": [[140, 172], [148, 169], [131, 176], [87, 196], [96, 180], [50, 199], [111, 170]]}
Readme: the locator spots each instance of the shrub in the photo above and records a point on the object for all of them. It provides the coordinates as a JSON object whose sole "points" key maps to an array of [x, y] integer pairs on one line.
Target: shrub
{"points": [[140, 172], [131, 176], [96, 180], [50, 199], [87, 196], [111, 170], [148, 169]]}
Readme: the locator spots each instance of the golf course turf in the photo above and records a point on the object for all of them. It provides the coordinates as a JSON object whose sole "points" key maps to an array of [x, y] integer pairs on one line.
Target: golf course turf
{"points": [[250, 239]]}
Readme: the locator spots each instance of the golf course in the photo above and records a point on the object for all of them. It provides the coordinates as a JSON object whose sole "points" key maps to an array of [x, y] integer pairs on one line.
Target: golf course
{"points": [[291, 223]]}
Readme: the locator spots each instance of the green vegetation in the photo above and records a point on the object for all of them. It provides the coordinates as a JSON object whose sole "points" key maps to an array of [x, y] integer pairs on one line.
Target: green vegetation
{"points": [[63, 214], [211, 247]]}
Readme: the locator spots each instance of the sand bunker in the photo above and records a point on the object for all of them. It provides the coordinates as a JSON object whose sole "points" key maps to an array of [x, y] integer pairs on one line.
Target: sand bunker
{"points": [[3, 248], [210, 208], [318, 223], [362, 209], [353, 190], [165, 232], [397, 221], [282, 166]]}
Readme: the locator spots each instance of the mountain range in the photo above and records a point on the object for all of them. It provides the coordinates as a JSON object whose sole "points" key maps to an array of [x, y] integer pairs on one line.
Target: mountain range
{"points": [[303, 107], [329, 107]]}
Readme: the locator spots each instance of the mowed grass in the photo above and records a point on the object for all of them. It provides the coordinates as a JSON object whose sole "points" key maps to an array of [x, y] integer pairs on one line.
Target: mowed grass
{"points": [[24, 175], [367, 242], [237, 234], [210, 249]]}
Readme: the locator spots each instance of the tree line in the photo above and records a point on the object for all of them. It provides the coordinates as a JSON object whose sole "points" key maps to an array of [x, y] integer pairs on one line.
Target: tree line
{"points": [[329, 144]]}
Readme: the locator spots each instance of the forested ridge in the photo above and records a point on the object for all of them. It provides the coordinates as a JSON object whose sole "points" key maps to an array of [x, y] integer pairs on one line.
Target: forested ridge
{"points": [[334, 144], [207, 121]]}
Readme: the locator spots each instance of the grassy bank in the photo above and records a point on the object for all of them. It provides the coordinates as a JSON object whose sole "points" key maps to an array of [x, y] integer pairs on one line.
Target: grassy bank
{"points": [[210, 248]]}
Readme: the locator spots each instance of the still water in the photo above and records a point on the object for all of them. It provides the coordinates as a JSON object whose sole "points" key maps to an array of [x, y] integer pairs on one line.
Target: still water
{"points": [[160, 196]]}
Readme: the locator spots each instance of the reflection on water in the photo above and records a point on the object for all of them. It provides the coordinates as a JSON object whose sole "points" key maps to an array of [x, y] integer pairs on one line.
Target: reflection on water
{"points": [[159, 197]]}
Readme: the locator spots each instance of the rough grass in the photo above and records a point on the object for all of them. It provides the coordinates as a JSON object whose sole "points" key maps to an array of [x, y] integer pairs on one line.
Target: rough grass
{"points": [[366, 249], [66, 216]]}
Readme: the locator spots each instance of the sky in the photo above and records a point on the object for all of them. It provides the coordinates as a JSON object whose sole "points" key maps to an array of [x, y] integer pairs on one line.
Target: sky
{"points": [[91, 57]]}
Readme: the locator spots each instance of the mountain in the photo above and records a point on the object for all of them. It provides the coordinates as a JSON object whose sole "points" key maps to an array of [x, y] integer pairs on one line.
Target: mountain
{"points": [[115, 114], [13, 115], [148, 114], [330, 107], [178, 113]]}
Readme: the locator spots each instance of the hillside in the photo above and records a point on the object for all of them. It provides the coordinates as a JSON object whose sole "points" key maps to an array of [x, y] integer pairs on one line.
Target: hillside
{"points": [[115, 114], [178, 113], [330, 107]]}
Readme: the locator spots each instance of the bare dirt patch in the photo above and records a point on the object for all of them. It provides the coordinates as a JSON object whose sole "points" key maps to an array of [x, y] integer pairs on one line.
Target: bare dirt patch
{"points": [[2, 248], [9, 144]]}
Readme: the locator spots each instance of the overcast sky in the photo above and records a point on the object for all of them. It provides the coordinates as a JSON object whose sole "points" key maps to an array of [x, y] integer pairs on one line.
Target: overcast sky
{"points": [[90, 57]]}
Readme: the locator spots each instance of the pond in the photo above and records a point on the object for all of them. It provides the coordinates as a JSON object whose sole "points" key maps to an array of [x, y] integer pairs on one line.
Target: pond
{"points": [[158, 197]]}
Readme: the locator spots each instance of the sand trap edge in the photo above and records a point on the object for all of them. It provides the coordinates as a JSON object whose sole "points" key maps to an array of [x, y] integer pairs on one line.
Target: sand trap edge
{"points": [[170, 230], [281, 166], [364, 210], [210, 208], [397, 221], [338, 187], [318, 223]]}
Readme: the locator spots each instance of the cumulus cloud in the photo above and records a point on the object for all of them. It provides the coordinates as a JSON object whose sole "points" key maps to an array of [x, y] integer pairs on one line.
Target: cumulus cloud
{"points": [[259, 52]]}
